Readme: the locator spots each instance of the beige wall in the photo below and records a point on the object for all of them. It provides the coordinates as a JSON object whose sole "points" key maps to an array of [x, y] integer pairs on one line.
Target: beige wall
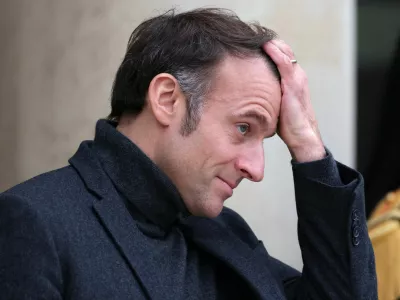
{"points": [[58, 61]]}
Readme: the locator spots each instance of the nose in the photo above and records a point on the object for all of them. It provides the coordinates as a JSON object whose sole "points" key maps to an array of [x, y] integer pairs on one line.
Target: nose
{"points": [[251, 164]]}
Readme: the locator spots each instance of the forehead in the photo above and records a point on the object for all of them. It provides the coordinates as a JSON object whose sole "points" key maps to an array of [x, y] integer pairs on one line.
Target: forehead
{"points": [[244, 81]]}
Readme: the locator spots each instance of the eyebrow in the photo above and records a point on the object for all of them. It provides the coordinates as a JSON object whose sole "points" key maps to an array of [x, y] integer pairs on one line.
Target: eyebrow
{"points": [[254, 115]]}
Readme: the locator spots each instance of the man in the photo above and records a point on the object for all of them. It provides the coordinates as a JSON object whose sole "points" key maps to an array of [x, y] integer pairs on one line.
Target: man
{"points": [[138, 213]]}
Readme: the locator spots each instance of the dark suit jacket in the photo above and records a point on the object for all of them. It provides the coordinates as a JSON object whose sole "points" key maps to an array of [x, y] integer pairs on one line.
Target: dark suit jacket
{"points": [[68, 234]]}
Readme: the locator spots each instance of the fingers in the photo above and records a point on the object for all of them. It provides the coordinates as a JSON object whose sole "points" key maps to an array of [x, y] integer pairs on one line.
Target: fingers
{"points": [[294, 79], [285, 48], [282, 55]]}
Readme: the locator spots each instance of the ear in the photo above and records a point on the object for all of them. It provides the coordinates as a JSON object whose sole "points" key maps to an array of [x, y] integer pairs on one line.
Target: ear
{"points": [[164, 96]]}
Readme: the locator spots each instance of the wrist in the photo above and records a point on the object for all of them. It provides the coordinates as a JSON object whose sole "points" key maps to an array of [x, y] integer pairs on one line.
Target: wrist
{"points": [[308, 152]]}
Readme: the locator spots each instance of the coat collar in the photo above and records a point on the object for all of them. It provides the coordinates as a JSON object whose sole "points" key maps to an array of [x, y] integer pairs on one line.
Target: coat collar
{"points": [[252, 264], [132, 173]]}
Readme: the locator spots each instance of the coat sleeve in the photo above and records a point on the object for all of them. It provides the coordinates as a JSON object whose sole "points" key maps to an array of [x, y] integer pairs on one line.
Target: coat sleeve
{"points": [[29, 265], [337, 253]]}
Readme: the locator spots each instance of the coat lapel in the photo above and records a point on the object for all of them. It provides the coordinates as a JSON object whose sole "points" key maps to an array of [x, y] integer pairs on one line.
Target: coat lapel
{"points": [[118, 222], [133, 245], [251, 264]]}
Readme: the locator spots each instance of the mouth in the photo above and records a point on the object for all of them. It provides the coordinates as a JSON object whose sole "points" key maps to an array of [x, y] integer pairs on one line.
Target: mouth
{"points": [[227, 189], [230, 184]]}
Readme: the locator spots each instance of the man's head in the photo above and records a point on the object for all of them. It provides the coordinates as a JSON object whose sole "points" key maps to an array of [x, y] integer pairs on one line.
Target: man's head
{"points": [[197, 93]]}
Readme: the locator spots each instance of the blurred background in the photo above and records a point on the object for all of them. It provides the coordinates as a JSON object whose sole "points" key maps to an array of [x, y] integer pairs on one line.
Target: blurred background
{"points": [[58, 59]]}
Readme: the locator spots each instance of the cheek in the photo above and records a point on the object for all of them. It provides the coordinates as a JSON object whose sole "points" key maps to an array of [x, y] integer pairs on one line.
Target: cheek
{"points": [[214, 145], [222, 152]]}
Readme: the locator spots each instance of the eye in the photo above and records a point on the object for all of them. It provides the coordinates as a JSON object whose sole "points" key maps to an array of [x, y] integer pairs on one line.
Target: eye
{"points": [[243, 128]]}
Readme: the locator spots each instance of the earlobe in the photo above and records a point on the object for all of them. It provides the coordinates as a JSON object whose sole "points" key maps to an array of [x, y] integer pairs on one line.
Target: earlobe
{"points": [[163, 95]]}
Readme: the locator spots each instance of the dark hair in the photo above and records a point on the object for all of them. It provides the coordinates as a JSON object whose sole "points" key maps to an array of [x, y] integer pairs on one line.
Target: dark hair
{"points": [[188, 46]]}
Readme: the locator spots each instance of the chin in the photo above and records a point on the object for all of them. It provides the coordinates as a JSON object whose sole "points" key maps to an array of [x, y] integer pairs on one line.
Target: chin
{"points": [[214, 213], [210, 209]]}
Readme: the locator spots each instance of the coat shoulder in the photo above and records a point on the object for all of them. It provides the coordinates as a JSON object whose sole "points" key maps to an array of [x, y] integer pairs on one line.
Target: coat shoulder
{"points": [[54, 184], [51, 194]]}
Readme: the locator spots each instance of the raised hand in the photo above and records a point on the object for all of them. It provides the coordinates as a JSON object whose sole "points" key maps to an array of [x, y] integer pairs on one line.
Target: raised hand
{"points": [[297, 126]]}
